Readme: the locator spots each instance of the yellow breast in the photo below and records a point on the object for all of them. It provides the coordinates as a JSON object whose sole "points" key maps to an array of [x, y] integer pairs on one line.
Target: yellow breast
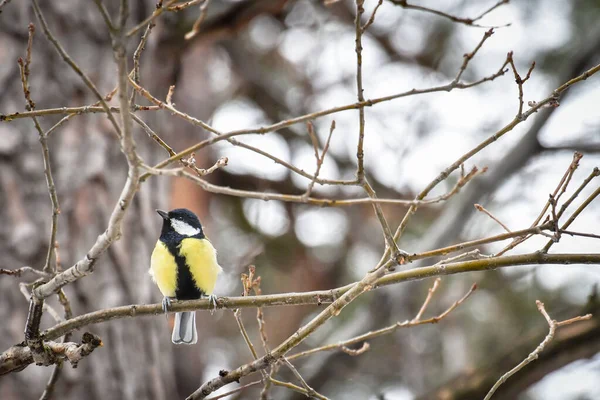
{"points": [[163, 269], [201, 258]]}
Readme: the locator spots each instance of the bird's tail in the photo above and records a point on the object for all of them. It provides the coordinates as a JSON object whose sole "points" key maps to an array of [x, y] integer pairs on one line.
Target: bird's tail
{"points": [[184, 331]]}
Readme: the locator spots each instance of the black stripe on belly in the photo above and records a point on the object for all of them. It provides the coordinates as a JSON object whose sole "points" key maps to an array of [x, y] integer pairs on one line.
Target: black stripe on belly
{"points": [[186, 288]]}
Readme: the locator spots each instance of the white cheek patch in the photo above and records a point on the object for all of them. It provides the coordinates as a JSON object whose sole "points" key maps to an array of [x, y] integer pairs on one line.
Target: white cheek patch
{"points": [[183, 228]]}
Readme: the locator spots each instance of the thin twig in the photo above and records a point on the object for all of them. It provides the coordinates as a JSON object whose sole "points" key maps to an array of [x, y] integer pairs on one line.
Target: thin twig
{"points": [[479, 207], [310, 392], [184, 5], [519, 81], [384, 331], [430, 294], [105, 15], [467, 57], [461, 20], [88, 82], [361, 179], [247, 284], [360, 169], [298, 389], [234, 390], [595, 173], [24, 68], [254, 283], [372, 17], [198, 22], [573, 216], [24, 270], [473, 253], [210, 187], [507, 128], [289, 122], [553, 325], [583, 234], [562, 184], [319, 159], [160, 8], [136, 60]]}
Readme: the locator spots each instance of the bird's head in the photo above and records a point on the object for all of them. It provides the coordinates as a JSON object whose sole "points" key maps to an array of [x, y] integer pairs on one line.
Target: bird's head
{"points": [[182, 221]]}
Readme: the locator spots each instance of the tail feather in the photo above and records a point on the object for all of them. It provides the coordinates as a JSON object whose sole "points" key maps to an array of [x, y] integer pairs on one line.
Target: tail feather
{"points": [[184, 331]]}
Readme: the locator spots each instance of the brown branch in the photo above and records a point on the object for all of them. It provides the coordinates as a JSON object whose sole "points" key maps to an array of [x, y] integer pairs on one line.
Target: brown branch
{"points": [[519, 81], [553, 325], [24, 270], [582, 234], [198, 22], [562, 184], [453, 18], [469, 56], [482, 209], [18, 357], [360, 169], [318, 297], [113, 231], [321, 158], [88, 82], [573, 216], [595, 173], [210, 187], [234, 390], [136, 60], [507, 128], [370, 281], [372, 17], [160, 8], [387, 330], [309, 391], [43, 137], [49, 390]]}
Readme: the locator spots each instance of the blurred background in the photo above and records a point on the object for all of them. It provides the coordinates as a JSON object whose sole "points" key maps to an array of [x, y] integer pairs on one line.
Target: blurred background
{"points": [[258, 62]]}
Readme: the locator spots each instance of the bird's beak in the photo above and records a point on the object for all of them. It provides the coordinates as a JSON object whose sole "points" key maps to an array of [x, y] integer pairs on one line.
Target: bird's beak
{"points": [[163, 214]]}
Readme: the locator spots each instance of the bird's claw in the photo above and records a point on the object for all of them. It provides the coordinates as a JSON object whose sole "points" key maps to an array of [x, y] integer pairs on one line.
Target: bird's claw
{"points": [[166, 304], [212, 299]]}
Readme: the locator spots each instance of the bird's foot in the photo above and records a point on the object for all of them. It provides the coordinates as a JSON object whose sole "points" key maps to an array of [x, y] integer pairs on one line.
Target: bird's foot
{"points": [[166, 304], [212, 299]]}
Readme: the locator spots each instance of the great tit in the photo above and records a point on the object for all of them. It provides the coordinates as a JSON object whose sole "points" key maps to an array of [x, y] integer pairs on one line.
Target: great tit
{"points": [[184, 266]]}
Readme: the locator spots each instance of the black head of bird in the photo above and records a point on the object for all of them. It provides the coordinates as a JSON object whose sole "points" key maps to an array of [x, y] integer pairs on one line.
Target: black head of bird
{"points": [[180, 222]]}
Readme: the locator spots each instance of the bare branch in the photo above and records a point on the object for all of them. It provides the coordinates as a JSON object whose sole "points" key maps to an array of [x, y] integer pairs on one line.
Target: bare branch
{"points": [[157, 12], [573, 216], [18, 357], [24, 270], [198, 23], [319, 297], [88, 82], [479, 207], [343, 346], [310, 392], [535, 354], [24, 68], [461, 20], [234, 390], [113, 231]]}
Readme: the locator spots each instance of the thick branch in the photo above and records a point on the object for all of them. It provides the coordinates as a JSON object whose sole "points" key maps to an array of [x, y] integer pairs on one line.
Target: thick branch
{"points": [[317, 297], [19, 356]]}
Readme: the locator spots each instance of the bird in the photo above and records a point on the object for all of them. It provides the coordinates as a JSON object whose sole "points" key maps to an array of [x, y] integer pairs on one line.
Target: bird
{"points": [[184, 267]]}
